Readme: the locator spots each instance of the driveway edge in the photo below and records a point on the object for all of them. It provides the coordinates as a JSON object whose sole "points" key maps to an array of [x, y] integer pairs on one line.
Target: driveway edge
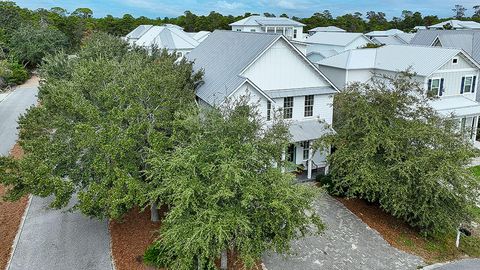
{"points": [[19, 231]]}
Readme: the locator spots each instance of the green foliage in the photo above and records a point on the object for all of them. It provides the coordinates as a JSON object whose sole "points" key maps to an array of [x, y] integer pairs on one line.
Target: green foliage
{"points": [[30, 44], [17, 75], [225, 193], [392, 147], [97, 123]]}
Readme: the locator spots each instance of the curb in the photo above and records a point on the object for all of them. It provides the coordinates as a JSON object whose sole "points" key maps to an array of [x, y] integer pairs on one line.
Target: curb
{"points": [[19, 232], [8, 94], [114, 267]]}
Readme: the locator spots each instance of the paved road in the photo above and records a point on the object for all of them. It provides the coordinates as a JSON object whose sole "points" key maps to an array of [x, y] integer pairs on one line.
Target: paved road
{"points": [[467, 264], [51, 239], [347, 243], [11, 108]]}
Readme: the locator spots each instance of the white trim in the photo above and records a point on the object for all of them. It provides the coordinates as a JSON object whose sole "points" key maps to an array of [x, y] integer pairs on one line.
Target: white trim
{"points": [[454, 70], [471, 84], [254, 87], [463, 53], [439, 85]]}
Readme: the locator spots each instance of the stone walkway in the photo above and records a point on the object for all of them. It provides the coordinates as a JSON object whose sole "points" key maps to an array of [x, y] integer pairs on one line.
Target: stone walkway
{"points": [[347, 243]]}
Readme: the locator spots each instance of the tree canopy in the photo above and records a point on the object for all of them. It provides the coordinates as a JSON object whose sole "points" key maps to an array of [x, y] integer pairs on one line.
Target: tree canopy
{"points": [[391, 147], [101, 112], [226, 193]]}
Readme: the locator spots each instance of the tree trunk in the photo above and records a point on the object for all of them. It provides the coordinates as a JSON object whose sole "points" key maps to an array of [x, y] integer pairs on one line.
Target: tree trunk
{"points": [[224, 260], [154, 217]]}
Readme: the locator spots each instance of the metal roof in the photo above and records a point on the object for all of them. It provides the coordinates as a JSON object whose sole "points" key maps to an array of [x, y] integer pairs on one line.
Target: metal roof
{"points": [[168, 37], [138, 32], [422, 60], [266, 21], [390, 40], [385, 33], [327, 29], [223, 56], [334, 38], [308, 130], [199, 36], [457, 24], [467, 40], [457, 105]]}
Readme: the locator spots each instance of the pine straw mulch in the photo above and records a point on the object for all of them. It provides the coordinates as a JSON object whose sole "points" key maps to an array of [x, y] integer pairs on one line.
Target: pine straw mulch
{"points": [[131, 237], [402, 236], [11, 214]]}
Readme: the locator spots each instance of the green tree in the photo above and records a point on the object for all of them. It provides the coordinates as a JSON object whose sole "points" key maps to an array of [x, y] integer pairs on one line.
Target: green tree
{"points": [[83, 13], [225, 193], [30, 44], [98, 121], [459, 11], [393, 148]]}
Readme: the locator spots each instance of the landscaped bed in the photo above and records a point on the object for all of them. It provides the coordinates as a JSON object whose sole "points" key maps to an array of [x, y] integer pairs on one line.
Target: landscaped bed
{"points": [[10, 218], [400, 235]]}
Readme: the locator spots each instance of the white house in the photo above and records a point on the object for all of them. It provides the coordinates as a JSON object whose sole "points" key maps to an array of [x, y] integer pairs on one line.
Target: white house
{"points": [[456, 25], [450, 74], [325, 44], [168, 36], [325, 29], [396, 39], [275, 75], [291, 29]]}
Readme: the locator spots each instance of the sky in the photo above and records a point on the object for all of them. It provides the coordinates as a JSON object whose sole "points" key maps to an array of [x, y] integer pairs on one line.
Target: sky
{"points": [[299, 8]]}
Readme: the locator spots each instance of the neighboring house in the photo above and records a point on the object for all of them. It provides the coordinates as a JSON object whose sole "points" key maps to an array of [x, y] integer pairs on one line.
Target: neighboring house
{"points": [[170, 37], [456, 25], [325, 29], [419, 27], [386, 33], [450, 74], [291, 29], [325, 44], [467, 40], [397, 39], [199, 36], [275, 75]]}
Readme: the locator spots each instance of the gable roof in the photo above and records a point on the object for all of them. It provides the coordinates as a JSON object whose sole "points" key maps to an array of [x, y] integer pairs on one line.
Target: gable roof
{"points": [[457, 24], [327, 29], [397, 39], [138, 32], [168, 37], [385, 33], [334, 38], [223, 56], [199, 36], [256, 20], [467, 40], [422, 60]]}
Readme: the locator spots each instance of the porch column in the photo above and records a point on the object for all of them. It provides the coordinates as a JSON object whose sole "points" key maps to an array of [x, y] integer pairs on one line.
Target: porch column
{"points": [[309, 162], [283, 161]]}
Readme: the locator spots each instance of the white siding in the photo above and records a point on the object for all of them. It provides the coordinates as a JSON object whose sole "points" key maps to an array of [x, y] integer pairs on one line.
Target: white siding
{"points": [[255, 98], [281, 68], [335, 75]]}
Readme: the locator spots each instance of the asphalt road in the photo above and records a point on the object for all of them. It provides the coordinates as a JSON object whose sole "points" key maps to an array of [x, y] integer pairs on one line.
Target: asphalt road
{"points": [[11, 108], [467, 264], [51, 239]]}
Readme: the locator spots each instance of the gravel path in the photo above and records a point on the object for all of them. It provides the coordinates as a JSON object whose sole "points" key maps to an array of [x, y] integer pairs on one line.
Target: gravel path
{"points": [[347, 243]]}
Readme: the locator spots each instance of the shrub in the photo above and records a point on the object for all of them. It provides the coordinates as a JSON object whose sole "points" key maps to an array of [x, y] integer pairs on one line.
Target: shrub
{"points": [[18, 74]]}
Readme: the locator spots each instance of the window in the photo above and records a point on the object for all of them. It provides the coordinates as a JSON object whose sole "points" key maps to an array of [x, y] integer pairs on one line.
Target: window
{"points": [[239, 30], [288, 107], [179, 54], [455, 61], [253, 30], [434, 87], [463, 124], [294, 33], [306, 147], [269, 110], [309, 105], [467, 84]]}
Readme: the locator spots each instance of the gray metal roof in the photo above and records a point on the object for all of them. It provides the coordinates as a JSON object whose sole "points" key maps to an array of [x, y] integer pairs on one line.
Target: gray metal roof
{"points": [[457, 24], [138, 32], [222, 56], [327, 29], [334, 38], [167, 36], [458, 105], [422, 60], [268, 21], [308, 130], [385, 33], [300, 91], [467, 40]]}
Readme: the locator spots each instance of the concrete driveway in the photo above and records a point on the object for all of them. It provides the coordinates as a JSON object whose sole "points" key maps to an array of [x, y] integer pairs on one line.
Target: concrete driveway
{"points": [[467, 264], [347, 243], [51, 239]]}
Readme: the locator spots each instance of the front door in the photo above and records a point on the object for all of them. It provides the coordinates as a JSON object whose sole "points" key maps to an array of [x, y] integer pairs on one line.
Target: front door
{"points": [[291, 153]]}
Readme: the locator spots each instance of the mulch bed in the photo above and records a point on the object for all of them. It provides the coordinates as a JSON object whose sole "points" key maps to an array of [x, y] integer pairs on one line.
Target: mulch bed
{"points": [[130, 238], [10, 217], [395, 231]]}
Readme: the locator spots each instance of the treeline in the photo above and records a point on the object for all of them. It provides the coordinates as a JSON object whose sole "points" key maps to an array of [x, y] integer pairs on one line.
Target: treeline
{"points": [[26, 36]]}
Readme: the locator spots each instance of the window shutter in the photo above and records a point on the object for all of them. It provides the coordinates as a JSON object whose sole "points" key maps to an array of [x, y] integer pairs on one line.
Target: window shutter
{"points": [[474, 83], [429, 84], [463, 84], [440, 92]]}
